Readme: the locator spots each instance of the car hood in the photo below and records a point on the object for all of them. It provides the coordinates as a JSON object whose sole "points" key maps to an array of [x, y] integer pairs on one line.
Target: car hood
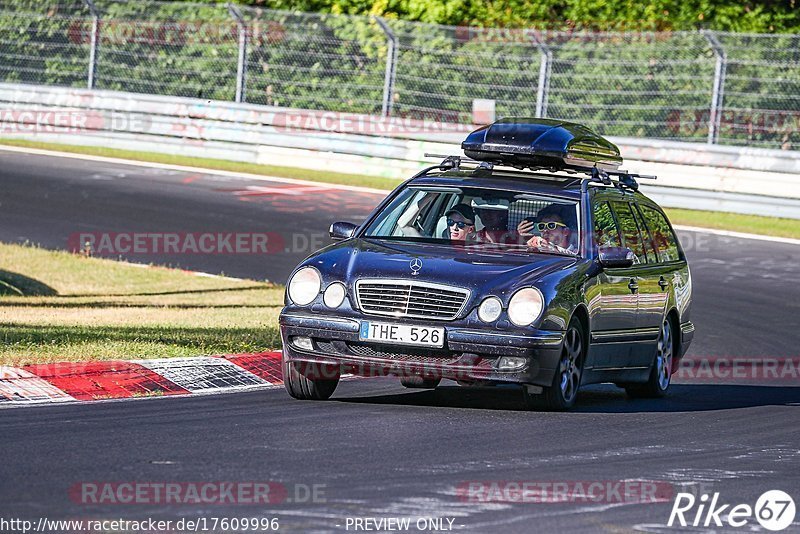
{"points": [[480, 271]]}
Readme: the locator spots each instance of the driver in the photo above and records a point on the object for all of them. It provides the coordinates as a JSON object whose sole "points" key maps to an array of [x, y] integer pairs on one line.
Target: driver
{"points": [[408, 223]]}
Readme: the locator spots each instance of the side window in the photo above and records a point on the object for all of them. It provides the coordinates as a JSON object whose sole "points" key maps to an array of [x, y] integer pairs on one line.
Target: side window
{"points": [[629, 230], [647, 239], [606, 233], [663, 236]]}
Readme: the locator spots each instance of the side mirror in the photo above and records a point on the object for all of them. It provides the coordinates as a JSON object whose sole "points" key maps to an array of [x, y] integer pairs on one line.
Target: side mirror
{"points": [[342, 230], [616, 257]]}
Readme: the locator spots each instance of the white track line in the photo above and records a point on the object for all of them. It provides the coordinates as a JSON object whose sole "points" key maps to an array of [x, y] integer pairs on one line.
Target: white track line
{"points": [[187, 271], [740, 235], [342, 187], [121, 161]]}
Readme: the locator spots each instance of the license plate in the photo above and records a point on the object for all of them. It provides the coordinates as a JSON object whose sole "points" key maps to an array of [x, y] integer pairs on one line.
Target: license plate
{"points": [[402, 334]]}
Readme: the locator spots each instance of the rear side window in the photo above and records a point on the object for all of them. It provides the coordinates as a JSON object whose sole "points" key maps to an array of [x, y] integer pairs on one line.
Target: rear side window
{"points": [[630, 230], [647, 239], [606, 233], [663, 236]]}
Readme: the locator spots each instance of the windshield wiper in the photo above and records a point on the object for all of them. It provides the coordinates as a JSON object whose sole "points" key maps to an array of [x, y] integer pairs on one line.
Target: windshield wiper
{"points": [[518, 249], [410, 239]]}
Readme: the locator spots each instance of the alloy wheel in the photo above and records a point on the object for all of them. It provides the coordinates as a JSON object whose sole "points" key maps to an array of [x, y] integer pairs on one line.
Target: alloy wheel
{"points": [[570, 367], [664, 356]]}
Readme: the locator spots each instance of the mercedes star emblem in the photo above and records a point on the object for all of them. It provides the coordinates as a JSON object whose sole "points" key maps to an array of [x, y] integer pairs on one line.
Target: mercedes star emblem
{"points": [[416, 265]]}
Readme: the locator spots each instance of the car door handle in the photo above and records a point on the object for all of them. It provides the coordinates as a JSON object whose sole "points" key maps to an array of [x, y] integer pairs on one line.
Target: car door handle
{"points": [[663, 283], [633, 286]]}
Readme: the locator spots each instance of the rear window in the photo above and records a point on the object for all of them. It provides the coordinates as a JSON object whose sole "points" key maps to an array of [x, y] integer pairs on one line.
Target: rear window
{"points": [[663, 237], [630, 230]]}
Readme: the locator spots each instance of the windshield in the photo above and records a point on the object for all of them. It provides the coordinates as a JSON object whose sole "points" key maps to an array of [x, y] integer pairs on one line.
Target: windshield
{"points": [[480, 217]]}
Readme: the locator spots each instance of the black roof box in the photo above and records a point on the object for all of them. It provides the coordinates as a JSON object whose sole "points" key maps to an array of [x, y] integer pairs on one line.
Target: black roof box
{"points": [[541, 143]]}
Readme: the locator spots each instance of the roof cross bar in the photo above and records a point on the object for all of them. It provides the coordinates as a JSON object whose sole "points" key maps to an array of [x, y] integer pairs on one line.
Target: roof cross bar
{"points": [[593, 173], [625, 178]]}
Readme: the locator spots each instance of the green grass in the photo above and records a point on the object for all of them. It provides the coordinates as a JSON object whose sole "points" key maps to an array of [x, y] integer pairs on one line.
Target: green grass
{"points": [[754, 224], [361, 180], [57, 306]]}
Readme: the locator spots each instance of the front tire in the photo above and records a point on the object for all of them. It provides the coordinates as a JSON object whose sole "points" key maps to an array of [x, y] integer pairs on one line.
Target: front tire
{"points": [[309, 381], [660, 375], [562, 393]]}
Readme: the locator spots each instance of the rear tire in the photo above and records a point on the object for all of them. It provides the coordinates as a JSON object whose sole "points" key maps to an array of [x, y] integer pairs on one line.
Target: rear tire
{"points": [[309, 381], [562, 393], [418, 382], [660, 374]]}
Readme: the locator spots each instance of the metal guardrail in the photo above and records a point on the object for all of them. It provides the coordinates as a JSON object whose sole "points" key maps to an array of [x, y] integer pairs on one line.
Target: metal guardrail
{"points": [[698, 176], [714, 87]]}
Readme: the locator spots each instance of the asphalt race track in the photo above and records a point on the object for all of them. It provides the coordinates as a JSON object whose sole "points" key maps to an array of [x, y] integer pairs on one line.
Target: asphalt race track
{"points": [[377, 449], [51, 200]]}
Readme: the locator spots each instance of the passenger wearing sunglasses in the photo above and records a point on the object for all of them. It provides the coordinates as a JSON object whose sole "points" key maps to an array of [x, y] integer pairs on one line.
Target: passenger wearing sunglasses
{"points": [[554, 232], [460, 222]]}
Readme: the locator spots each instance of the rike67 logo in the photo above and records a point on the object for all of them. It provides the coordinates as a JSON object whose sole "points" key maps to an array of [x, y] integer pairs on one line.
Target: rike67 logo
{"points": [[774, 510]]}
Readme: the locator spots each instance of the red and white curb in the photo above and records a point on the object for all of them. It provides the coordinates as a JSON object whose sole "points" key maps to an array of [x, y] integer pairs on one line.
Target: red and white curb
{"points": [[101, 380], [126, 379]]}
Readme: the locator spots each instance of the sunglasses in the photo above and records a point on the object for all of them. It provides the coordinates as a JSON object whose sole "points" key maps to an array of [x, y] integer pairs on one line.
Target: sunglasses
{"points": [[552, 225], [459, 224]]}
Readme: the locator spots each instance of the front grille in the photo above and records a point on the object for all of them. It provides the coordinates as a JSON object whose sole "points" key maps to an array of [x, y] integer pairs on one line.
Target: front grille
{"points": [[405, 298], [405, 354], [388, 352]]}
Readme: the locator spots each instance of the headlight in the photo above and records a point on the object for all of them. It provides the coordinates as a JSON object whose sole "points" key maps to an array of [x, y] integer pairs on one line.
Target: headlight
{"points": [[525, 306], [490, 309], [304, 286], [334, 295]]}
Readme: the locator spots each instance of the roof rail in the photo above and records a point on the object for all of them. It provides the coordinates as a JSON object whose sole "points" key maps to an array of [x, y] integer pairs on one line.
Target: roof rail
{"points": [[624, 178], [621, 178]]}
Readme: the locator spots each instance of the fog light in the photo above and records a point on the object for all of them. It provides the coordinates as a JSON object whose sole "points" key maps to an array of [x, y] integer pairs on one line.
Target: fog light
{"points": [[510, 363], [303, 343]]}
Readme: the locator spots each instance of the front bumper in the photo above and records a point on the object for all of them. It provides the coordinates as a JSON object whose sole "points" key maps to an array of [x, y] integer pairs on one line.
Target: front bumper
{"points": [[468, 355], [687, 333]]}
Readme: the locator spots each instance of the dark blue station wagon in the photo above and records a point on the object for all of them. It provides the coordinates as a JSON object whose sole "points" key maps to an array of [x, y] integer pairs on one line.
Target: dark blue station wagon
{"points": [[536, 262]]}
